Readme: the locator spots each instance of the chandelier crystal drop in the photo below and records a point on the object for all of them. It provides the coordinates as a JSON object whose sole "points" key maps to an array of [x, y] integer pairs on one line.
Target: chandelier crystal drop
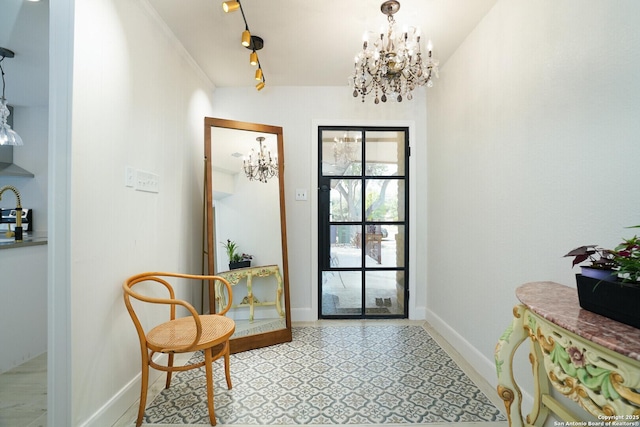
{"points": [[391, 64], [260, 166]]}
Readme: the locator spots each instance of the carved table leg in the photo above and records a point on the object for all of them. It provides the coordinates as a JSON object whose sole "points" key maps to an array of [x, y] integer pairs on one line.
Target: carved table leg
{"points": [[507, 388]]}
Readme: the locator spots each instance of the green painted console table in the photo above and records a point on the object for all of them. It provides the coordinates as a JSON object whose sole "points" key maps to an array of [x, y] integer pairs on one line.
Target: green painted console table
{"points": [[588, 358]]}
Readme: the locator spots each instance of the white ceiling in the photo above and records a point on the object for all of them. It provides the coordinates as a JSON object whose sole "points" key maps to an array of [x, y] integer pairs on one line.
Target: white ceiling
{"points": [[307, 43]]}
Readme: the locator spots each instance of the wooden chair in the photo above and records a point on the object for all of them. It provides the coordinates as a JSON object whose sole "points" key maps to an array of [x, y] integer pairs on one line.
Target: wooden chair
{"points": [[209, 333]]}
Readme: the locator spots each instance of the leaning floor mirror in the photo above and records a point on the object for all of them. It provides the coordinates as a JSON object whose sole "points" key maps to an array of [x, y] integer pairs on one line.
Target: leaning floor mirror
{"points": [[245, 229]]}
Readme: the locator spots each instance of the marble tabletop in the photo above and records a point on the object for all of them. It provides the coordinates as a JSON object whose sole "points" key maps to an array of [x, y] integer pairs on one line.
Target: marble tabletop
{"points": [[559, 304]]}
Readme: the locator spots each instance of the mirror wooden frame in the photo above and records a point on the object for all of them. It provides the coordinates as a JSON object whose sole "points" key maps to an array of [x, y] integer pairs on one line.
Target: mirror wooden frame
{"points": [[263, 339]]}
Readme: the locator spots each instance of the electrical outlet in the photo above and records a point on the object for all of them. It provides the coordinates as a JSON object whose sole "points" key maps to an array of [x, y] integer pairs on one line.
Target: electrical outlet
{"points": [[301, 194], [129, 176], [147, 181]]}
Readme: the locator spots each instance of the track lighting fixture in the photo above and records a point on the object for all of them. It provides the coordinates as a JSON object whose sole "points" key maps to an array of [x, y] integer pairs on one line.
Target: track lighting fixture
{"points": [[251, 42]]}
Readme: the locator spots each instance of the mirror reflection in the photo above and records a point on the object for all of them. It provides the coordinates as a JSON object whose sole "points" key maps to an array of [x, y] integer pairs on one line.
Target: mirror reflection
{"points": [[246, 229]]}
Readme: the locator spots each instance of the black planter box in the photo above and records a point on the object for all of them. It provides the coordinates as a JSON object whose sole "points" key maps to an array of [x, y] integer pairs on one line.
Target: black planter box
{"points": [[241, 264], [616, 300]]}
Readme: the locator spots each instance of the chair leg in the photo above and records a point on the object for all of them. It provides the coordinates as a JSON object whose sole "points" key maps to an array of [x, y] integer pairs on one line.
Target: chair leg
{"points": [[170, 365], [227, 372], [208, 367], [143, 391]]}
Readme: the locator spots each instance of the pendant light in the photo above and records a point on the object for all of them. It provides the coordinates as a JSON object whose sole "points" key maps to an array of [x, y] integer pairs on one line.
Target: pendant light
{"points": [[7, 135]]}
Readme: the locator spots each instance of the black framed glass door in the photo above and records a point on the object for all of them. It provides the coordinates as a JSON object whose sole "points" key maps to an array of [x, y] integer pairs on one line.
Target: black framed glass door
{"points": [[363, 222]]}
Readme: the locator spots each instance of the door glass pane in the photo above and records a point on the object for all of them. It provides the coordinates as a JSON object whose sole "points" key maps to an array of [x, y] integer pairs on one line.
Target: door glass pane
{"points": [[345, 246], [345, 199], [385, 246], [341, 293], [385, 200], [385, 153], [341, 153], [384, 292]]}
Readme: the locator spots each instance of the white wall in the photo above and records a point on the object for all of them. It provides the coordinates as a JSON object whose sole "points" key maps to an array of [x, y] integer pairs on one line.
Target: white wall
{"points": [[299, 110], [251, 218], [533, 150], [138, 102]]}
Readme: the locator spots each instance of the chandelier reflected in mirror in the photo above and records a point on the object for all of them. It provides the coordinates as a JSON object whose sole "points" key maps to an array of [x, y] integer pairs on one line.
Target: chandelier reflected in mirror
{"points": [[391, 64], [260, 166], [346, 150]]}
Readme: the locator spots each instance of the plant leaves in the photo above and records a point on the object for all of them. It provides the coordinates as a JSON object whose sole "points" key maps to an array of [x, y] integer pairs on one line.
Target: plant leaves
{"points": [[583, 250]]}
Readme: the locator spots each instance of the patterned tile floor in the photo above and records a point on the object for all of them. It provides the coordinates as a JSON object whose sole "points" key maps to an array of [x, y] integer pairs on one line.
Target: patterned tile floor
{"points": [[366, 374]]}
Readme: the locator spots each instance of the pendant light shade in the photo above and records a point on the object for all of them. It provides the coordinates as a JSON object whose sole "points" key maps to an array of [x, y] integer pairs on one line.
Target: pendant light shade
{"points": [[260, 86], [230, 6], [246, 38], [7, 135], [253, 59], [259, 74]]}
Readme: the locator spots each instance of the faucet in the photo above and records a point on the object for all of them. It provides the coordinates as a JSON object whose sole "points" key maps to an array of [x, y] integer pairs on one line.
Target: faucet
{"points": [[18, 227]]}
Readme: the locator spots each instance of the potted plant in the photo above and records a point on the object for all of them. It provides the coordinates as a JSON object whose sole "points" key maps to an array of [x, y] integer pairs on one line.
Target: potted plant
{"points": [[236, 259], [601, 262], [616, 296]]}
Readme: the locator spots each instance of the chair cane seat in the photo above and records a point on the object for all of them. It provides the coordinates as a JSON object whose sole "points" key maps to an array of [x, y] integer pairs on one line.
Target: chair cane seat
{"points": [[181, 332]]}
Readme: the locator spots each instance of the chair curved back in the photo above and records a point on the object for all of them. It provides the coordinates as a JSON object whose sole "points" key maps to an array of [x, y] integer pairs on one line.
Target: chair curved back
{"points": [[159, 277]]}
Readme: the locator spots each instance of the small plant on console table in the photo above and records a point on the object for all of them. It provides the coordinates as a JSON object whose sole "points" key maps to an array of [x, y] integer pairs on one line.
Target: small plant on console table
{"points": [[616, 295], [236, 259], [601, 262]]}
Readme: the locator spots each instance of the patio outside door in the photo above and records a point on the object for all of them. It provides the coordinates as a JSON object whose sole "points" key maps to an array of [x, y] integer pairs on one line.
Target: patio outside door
{"points": [[363, 222]]}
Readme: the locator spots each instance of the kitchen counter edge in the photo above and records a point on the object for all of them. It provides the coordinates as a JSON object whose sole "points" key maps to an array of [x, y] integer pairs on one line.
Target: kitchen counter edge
{"points": [[30, 239]]}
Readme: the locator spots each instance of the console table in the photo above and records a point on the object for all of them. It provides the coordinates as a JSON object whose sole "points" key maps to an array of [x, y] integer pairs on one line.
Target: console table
{"points": [[234, 277], [588, 358]]}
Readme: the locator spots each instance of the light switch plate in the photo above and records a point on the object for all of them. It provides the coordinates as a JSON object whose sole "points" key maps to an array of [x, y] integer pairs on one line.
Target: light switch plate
{"points": [[147, 181], [129, 176], [301, 194]]}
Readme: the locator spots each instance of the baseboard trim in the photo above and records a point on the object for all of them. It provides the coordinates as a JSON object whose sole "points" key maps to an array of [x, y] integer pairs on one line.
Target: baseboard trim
{"points": [[479, 362], [123, 400], [303, 315]]}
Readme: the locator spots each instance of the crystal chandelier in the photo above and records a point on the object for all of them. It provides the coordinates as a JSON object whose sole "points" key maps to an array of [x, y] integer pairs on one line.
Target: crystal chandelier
{"points": [[391, 64], [7, 135], [260, 166]]}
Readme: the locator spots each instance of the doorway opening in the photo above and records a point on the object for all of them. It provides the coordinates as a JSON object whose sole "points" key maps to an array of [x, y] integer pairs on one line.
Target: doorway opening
{"points": [[363, 206]]}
